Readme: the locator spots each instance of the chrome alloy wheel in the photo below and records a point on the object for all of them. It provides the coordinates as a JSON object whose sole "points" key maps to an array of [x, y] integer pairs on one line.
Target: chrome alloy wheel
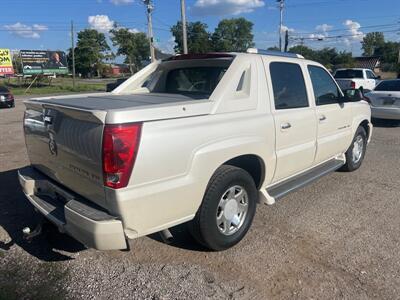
{"points": [[232, 210], [358, 149]]}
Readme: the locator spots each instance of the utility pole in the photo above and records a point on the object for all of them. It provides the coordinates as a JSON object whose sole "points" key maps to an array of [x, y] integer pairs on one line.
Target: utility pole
{"points": [[286, 40], [73, 53], [281, 7], [184, 31], [398, 57], [149, 11]]}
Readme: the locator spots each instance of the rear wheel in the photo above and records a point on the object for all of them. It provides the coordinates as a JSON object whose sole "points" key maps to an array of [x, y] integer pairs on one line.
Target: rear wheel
{"points": [[355, 154], [227, 210]]}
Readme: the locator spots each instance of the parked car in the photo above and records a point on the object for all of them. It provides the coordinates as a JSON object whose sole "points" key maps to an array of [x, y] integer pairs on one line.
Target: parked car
{"points": [[113, 85], [6, 97], [356, 78], [385, 100], [195, 138]]}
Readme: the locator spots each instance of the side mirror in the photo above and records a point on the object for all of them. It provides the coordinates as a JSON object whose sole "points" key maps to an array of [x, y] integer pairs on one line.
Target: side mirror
{"points": [[353, 95], [378, 77]]}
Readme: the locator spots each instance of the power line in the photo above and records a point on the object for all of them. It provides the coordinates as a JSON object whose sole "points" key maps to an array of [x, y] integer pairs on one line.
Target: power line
{"points": [[324, 19], [346, 29], [338, 36]]}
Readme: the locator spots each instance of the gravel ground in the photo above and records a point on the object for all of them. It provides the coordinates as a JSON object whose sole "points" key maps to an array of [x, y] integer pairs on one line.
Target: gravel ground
{"points": [[338, 238]]}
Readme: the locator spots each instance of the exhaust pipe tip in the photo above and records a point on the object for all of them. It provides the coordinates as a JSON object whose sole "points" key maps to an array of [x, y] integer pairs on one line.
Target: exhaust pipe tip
{"points": [[167, 236]]}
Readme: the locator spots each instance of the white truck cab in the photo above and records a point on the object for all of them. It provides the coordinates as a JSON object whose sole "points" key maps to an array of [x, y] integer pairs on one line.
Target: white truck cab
{"points": [[196, 138]]}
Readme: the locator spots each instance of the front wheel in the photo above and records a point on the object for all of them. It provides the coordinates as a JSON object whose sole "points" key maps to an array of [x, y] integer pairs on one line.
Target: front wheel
{"points": [[356, 153], [227, 210]]}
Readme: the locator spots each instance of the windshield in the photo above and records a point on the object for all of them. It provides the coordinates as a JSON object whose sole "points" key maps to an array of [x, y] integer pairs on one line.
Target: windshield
{"points": [[349, 73], [389, 86]]}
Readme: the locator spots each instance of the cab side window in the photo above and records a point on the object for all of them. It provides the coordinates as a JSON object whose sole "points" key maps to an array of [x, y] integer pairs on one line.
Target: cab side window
{"points": [[288, 85], [325, 89], [370, 75]]}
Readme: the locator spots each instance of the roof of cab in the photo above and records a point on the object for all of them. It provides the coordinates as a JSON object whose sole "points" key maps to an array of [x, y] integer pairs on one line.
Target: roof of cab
{"points": [[231, 55]]}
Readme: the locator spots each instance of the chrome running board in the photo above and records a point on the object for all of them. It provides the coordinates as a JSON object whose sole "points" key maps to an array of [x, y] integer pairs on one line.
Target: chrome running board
{"points": [[283, 188]]}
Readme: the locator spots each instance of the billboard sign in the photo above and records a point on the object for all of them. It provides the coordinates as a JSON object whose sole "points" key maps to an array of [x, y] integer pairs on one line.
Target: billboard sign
{"points": [[6, 66], [43, 62]]}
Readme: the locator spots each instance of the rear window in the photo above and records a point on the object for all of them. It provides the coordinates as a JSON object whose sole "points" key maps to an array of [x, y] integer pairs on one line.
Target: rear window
{"points": [[349, 74], [194, 80], [390, 86]]}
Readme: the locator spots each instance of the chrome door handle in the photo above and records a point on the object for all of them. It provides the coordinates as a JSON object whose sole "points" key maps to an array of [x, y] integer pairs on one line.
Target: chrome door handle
{"points": [[286, 126], [322, 118]]}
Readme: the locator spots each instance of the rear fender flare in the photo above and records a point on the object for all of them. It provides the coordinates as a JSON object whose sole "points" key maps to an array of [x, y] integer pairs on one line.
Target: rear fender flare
{"points": [[208, 158]]}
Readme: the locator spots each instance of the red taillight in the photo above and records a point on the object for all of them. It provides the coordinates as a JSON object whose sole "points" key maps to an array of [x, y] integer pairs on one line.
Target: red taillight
{"points": [[120, 146], [353, 85]]}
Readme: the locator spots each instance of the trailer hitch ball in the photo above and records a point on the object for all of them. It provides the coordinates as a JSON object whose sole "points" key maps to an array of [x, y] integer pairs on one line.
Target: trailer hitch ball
{"points": [[30, 234], [26, 231]]}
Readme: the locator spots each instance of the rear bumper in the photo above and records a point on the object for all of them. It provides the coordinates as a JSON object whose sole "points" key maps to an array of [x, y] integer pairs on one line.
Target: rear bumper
{"points": [[79, 218], [390, 113]]}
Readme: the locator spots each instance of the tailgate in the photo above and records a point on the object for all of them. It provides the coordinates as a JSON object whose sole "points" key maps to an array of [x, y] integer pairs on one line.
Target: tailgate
{"points": [[344, 84], [66, 144]]}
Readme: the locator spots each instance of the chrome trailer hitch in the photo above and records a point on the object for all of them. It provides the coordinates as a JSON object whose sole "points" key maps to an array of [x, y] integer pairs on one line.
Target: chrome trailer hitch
{"points": [[29, 234]]}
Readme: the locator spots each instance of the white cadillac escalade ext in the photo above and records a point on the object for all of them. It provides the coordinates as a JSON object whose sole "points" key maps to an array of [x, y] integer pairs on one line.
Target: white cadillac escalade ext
{"points": [[195, 138]]}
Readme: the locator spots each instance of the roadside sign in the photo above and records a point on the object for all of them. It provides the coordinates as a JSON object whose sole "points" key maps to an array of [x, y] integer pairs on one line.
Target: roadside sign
{"points": [[43, 62], [6, 66]]}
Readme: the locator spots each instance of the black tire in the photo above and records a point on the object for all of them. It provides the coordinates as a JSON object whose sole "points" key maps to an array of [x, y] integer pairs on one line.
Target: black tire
{"points": [[204, 227], [352, 164]]}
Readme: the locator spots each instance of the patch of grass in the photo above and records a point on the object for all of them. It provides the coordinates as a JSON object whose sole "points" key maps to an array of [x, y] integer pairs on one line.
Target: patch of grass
{"points": [[56, 89], [55, 86]]}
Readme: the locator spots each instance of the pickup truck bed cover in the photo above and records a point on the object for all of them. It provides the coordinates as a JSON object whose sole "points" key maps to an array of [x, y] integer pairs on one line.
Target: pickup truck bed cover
{"points": [[116, 102]]}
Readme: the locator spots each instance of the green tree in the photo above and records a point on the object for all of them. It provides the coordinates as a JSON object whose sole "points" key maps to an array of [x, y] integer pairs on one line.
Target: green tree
{"points": [[233, 35], [326, 56], [389, 53], [198, 37], [329, 57], [374, 44], [344, 59], [371, 42], [308, 53], [17, 63], [133, 45], [90, 51]]}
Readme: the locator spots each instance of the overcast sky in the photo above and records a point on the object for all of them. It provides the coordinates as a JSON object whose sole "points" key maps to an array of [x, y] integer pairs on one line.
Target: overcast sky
{"points": [[44, 24]]}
